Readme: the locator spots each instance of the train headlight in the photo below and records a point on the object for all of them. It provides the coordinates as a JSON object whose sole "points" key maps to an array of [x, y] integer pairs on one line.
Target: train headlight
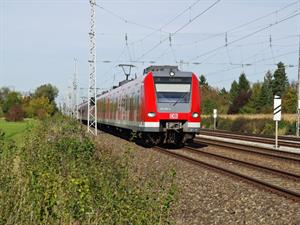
{"points": [[151, 114], [195, 115], [172, 73]]}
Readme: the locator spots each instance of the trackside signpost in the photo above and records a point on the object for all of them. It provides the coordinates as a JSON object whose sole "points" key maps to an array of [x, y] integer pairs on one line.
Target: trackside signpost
{"points": [[277, 116], [215, 115]]}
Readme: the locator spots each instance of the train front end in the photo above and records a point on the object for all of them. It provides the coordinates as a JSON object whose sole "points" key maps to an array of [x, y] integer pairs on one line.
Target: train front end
{"points": [[172, 105]]}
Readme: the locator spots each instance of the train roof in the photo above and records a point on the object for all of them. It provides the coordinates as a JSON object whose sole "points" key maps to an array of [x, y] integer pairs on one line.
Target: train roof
{"points": [[166, 71]]}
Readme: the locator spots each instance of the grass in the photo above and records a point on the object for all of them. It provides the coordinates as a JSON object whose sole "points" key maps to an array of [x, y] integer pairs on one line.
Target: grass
{"points": [[286, 117], [60, 176], [15, 130]]}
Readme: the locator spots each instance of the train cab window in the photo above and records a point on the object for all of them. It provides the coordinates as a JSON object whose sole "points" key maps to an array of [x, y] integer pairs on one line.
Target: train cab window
{"points": [[173, 90]]}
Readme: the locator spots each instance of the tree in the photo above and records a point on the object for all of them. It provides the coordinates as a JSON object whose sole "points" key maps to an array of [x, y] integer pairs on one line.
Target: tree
{"points": [[240, 94], [289, 99], [253, 105], [15, 113], [280, 82], [266, 94], [203, 81], [239, 102], [223, 92], [234, 91], [40, 108], [208, 106], [244, 84], [12, 98], [47, 91], [3, 94]]}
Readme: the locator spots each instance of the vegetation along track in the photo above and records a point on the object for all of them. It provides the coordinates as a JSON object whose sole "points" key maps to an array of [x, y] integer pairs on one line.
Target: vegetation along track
{"points": [[278, 181], [287, 141], [250, 149]]}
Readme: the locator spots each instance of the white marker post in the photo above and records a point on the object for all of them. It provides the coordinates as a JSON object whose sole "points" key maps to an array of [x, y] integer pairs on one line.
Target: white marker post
{"points": [[277, 116], [215, 115]]}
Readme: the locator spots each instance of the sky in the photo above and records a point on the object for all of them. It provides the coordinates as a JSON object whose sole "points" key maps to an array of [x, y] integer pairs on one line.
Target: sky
{"points": [[39, 40]]}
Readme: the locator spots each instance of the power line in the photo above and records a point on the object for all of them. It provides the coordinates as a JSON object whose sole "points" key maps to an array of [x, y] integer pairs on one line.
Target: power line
{"points": [[179, 29], [254, 63], [248, 35], [126, 20], [245, 24], [168, 23]]}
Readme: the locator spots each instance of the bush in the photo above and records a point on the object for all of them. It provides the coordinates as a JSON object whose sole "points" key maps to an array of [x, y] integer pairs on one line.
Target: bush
{"points": [[1, 112], [15, 113], [60, 177], [251, 126]]}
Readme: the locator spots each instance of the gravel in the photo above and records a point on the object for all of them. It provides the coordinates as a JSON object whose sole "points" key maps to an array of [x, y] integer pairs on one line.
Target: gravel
{"points": [[263, 160], [205, 196]]}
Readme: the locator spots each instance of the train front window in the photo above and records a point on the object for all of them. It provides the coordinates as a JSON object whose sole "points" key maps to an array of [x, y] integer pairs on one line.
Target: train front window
{"points": [[173, 93]]}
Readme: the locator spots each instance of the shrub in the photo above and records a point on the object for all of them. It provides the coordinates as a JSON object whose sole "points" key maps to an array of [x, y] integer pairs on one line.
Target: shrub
{"points": [[59, 176], [1, 112], [15, 113]]}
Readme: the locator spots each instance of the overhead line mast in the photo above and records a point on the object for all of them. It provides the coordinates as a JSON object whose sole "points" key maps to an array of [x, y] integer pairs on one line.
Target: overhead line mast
{"points": [[92, 94], [298, 102]]}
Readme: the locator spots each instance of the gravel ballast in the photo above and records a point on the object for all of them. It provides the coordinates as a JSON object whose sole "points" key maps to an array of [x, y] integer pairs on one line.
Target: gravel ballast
{"points": [[205, 196]]}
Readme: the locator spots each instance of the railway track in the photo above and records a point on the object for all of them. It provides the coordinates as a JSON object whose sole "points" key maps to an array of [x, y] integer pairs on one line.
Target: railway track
{"points": [[259, 150], [293, 142], [275, 180]]}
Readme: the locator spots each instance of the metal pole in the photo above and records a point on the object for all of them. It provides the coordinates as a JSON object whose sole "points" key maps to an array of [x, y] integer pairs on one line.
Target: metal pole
{"points": [[276, 135], [298, 103], [215, 123], [92, 95], [75, 87]]}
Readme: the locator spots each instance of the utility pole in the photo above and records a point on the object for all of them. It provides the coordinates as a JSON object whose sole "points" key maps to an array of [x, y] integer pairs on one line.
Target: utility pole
{"points": [[298, 102], [92, 95], [75, 92]]}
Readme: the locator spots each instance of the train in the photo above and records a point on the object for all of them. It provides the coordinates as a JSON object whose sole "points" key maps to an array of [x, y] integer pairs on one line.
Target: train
{"points": [[160, 107]]}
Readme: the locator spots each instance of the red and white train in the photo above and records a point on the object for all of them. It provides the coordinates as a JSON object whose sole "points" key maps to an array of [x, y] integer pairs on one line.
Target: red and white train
{"points": [[162, 106]]}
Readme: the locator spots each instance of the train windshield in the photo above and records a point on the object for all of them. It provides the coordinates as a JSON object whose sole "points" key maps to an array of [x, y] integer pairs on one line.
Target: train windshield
{"points": [[173, 90]]}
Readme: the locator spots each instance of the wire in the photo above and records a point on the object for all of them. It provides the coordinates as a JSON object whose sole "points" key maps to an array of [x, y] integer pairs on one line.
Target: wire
{"points": [[179, 29], [168, 23], [244, 24], [254, 63], [248, 35], [126, 20]]}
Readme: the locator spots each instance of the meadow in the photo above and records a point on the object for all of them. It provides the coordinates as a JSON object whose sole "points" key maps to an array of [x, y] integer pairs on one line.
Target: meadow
{"points": [[15, 130]]}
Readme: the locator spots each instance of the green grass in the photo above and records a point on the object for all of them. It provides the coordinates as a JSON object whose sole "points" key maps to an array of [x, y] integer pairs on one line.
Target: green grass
{"points": [[15, 130]]}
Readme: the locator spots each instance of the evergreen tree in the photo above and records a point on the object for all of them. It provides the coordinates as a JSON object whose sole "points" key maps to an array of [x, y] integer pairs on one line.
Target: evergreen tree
{"points": [[234, 91], [244, 84], [253, 105], [203, 81], [280, 82], [223, 92], [266, 95]]}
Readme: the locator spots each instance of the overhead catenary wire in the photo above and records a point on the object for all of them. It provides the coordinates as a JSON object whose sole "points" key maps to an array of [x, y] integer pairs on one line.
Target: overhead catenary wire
{"points": [[248, 35], [168, 23], [127, 21], [245, 24], [179, 29], [253, 63]]}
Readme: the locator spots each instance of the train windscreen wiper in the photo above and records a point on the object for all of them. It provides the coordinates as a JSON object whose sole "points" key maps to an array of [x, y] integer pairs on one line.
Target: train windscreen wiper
{"points": [[181, 97]]}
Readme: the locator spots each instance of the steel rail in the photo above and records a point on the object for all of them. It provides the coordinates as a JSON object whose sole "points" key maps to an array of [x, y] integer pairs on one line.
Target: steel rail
{"points": [[242, 162], [283, 140], [271, 187], [246, 148]]}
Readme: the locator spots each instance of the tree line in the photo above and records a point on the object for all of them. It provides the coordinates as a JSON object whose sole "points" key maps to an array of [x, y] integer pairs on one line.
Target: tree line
{"points": [[39, 104], [246, 98]]}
